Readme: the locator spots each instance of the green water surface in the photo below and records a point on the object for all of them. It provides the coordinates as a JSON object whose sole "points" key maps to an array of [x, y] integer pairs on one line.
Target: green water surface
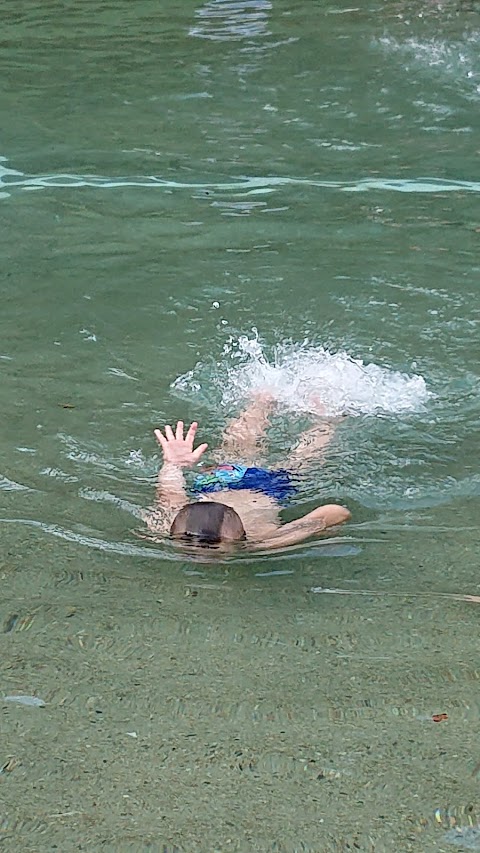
{"points": [[175, 175]]}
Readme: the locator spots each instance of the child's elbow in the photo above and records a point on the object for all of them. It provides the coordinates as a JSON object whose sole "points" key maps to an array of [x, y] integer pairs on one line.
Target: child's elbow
{"points": [[344, 514], [335, 514]]}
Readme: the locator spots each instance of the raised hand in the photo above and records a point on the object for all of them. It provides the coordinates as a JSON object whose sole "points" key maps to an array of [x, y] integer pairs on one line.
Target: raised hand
{"points": [[177, 449]]}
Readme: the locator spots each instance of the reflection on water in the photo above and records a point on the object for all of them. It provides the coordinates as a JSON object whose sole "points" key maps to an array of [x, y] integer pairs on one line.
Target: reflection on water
{"points": [[224, 20], [11, 179]]}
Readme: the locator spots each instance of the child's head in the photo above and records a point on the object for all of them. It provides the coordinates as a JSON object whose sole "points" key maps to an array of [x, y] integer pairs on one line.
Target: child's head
{"points": [[207, 523]]}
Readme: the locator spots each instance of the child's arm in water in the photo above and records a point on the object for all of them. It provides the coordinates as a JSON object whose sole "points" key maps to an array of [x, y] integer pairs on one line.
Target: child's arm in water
{"points": [[311, 524], [171, 494]]}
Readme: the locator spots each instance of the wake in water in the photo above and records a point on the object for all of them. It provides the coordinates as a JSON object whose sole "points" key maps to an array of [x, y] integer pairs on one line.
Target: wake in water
{"points": [[302, 375]]}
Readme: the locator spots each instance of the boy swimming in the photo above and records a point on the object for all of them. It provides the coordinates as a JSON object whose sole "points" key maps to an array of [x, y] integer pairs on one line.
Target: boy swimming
{"points": [[236, 501]]}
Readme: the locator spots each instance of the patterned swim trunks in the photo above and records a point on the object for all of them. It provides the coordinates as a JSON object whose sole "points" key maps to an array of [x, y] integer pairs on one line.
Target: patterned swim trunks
{"points": [[275, 484]]}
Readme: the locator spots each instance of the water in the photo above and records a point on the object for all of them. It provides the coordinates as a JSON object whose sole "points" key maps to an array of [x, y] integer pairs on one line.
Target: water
{"points": [[300, 376], [198, 200]]}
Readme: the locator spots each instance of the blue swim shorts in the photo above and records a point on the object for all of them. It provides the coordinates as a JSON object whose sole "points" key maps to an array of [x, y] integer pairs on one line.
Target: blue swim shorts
{"points": [[229, 475]]}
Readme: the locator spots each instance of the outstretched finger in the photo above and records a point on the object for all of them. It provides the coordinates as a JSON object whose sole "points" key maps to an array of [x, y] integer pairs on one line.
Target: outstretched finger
{"points": [[160, 438], [199, 452], [169, 433], [179, 431], [191, 433]]}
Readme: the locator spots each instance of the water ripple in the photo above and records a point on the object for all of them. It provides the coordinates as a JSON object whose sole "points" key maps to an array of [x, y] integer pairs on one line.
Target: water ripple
{"points": [[10, 180], [232, 20], [331, 547], [92, 541]]}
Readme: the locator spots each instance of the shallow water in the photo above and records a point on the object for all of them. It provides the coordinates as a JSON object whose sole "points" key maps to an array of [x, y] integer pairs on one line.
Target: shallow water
{"points": [[196, 200]]}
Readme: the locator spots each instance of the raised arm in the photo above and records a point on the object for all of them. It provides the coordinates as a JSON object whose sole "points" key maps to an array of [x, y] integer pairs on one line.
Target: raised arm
{"points": [[303, 528], [171, 494]]}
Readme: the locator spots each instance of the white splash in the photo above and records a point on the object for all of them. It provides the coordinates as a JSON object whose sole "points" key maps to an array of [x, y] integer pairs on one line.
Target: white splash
{"points": [[306, 378]]}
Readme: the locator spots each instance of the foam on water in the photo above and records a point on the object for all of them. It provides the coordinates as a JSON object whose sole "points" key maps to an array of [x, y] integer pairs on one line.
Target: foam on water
{"points": [[304, 377]]}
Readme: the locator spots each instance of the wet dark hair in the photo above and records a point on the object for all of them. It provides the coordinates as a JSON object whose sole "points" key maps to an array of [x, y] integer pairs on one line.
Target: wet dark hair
{"points": [[207, 523]]}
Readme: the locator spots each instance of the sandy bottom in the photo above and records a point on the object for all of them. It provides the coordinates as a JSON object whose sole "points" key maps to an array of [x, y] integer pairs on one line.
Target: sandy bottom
{"points": [[225, 711]]}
